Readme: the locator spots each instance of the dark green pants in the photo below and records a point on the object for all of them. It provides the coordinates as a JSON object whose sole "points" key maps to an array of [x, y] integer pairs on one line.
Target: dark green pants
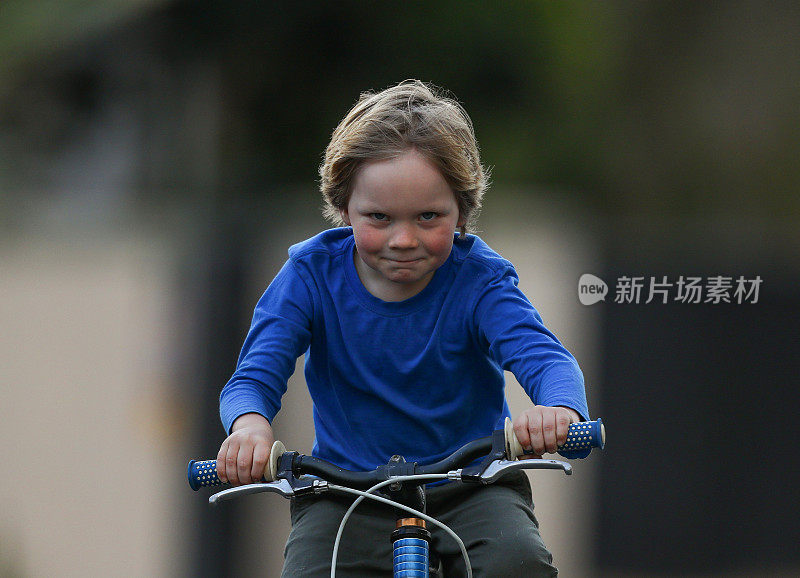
{"points": [[496, 523]]}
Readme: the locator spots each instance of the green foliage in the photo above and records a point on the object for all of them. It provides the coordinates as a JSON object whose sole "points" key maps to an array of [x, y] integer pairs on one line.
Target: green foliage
{"points": [[663, 108]]}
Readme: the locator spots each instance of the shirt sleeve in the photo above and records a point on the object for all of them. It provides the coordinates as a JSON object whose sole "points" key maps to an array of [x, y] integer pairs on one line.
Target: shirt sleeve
{"points": [[516, 338], [280, 332]]}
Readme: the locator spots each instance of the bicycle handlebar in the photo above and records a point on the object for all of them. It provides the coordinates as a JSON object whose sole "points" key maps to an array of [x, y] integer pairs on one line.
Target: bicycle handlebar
{"points": [[500, 449]]}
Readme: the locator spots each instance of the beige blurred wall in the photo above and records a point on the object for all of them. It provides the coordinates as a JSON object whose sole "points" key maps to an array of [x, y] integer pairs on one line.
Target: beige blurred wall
{"points": [[90, 427]]}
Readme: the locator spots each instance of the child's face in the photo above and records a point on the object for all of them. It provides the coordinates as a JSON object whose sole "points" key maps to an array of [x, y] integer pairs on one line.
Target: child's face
{"points": [[403, 215]]}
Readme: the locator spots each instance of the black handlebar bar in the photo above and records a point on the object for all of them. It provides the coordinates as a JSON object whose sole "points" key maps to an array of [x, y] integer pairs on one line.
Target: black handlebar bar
{"points": [[501, 445]]}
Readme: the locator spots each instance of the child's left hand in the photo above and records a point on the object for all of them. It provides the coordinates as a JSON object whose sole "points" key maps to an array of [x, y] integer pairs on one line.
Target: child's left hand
{"points": [[543, 428]]}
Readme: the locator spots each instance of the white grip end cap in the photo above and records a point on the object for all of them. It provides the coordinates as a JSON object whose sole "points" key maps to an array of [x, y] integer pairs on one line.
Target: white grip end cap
{"points": [[513, 447], [278, 449]]}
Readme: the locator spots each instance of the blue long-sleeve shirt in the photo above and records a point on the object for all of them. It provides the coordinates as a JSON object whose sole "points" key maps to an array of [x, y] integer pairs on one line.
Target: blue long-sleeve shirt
{"points": [[419, 377]]}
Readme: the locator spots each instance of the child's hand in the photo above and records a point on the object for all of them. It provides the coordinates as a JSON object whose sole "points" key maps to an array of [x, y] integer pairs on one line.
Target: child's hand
{"points": [[243, 456], [543, 428]]}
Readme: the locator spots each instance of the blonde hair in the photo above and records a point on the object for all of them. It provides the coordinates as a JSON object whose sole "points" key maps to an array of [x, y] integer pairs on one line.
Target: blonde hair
{"points": [[386, 124]]}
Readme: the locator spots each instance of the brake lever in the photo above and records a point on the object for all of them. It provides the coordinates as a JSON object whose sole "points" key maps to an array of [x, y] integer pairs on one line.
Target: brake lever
{"points": [[500, 467], [282, 487], [488, 473]]}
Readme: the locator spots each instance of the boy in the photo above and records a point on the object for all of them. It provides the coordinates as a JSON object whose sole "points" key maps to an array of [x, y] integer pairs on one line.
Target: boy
{"points": [[407, 328]]}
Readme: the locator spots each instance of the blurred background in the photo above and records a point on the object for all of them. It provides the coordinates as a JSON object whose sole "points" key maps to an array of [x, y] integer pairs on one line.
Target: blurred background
{"points": [[158, 157]]}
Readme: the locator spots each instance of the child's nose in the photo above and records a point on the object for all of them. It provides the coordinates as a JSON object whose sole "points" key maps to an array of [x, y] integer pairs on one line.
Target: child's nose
{"points": [[403, 237]]}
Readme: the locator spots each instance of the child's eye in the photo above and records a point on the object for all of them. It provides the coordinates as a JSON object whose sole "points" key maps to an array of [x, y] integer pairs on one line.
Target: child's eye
{"points": [[428, 216], [379, 216]]}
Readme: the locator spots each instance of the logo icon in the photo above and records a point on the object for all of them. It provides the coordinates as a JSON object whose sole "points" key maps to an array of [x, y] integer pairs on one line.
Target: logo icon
{"points": [[591, 289]]}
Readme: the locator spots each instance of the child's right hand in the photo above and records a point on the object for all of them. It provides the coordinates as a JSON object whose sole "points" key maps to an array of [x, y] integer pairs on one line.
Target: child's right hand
{"points": [[243, 456]]}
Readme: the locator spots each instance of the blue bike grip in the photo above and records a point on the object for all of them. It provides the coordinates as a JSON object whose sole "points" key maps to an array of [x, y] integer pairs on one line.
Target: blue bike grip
{"points": [[203, 474], [582, 437]]}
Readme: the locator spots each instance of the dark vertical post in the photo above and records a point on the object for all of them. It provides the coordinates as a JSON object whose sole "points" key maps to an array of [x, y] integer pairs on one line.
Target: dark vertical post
{"points": [[222, 333]]}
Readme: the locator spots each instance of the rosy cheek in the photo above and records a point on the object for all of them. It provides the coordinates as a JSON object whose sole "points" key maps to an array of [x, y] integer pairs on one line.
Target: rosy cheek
{"points": [[367, 240], [441, 243]]}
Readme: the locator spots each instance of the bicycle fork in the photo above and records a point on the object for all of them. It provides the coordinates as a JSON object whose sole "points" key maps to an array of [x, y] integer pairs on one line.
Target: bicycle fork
{"points": [[411, 549], [411, 540]]}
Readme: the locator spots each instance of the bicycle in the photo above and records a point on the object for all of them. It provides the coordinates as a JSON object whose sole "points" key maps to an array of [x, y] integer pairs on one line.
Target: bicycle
{"points": [[291, 474]]}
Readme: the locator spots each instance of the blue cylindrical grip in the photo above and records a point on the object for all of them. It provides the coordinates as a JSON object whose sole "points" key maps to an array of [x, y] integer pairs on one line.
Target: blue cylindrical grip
{"points": [[410, 556], [582, 437], [202, 474]]}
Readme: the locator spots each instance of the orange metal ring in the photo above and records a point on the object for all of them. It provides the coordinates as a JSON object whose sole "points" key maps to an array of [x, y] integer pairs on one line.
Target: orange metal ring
{"points": [[410, 522]]}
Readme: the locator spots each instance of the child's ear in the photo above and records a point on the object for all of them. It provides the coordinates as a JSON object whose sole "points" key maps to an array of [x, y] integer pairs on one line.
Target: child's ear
{"points": [[345, 216], [462, 221]]}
